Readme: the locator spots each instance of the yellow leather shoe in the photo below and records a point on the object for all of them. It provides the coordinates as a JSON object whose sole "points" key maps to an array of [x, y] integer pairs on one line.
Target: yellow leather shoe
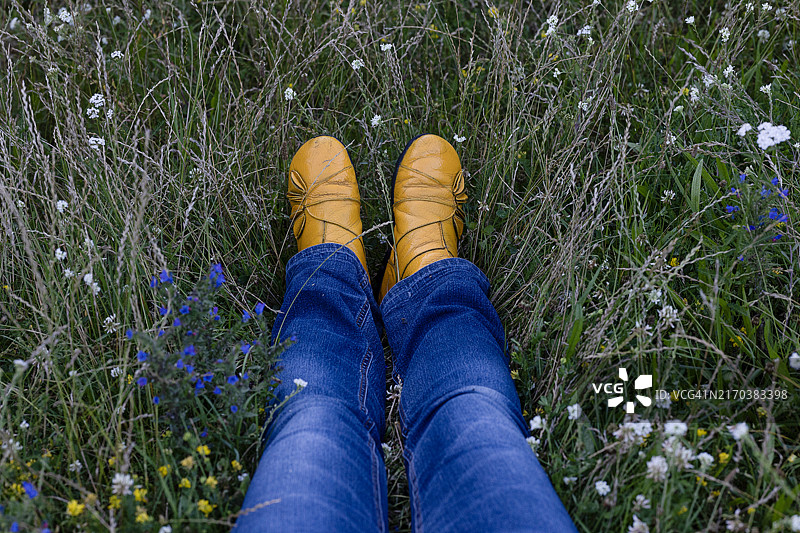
{"points": [[428, 189], [323, 193]]}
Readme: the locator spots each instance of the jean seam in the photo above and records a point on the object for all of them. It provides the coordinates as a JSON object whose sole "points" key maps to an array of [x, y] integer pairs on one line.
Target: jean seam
{"points": [[413, 491], [376, 494]]}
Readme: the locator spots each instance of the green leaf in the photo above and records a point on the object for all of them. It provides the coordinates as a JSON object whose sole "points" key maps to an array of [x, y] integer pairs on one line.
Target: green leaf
{"points": [[694, 200]]}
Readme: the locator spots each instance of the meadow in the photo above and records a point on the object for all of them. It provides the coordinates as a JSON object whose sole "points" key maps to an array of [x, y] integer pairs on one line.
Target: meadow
{"points": [[632, 170]]}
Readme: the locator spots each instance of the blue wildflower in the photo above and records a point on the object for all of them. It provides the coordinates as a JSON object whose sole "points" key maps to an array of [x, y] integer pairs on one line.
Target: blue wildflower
{"points": [[165, 277], [208, 376], [259, 308], [217, 390], [199, 385], [742, 177], [189, 369], [245, 375], [179, 364], [141, 356], [14, 527], [245, 316], [189, 350], [153, 283], [30, 490], [185, 309], [176, 323], [141, 381], [246, 347], [777, 237], [234, 408], [216, 275], [161, 333], [775, 181], [734, 191], [783, 193], [163, 311], [731, 208], [156, 400], [765, 192], [232, 380], [204, 434], [129, 333]]}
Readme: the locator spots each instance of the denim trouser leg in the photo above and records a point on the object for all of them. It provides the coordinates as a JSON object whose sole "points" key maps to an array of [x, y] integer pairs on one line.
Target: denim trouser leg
{"points": [[323, 461], [469, 466]]}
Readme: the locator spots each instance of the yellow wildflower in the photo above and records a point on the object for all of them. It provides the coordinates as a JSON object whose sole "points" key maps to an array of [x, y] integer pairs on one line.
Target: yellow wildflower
{"points": [[236, 465], [792, 458], [724, 458], [205, 507], [683, 510], [211, 481], [112, 461], [493, 12], [685, 91], [164, 470], [751, 510], [185, 484], [701, 481], [203, 450], [140, 495], [74, 508], [114, 502], [673, 262], [90, 499], [141, 515], [47, 454], [188, 462], [16, 487], [701, 432]]}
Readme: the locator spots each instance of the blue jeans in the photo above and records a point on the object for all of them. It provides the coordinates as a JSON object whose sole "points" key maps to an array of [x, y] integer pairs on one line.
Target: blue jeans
{"points": [[468, 464]]}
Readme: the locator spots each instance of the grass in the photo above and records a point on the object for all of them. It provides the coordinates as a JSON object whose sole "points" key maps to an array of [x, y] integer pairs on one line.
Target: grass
{"points": [[570, 144]]}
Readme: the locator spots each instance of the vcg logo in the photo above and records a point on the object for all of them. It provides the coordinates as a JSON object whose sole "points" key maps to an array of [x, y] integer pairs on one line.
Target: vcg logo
{"points": [[645, 381]]}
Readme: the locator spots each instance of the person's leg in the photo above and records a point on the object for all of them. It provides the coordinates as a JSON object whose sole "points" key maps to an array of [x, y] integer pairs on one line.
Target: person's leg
{"points": [[469, 466], [323, 469]]}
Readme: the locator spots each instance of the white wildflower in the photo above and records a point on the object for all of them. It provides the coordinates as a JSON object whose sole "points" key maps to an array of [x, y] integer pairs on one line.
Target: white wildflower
{"points": [[657, 468], [668, 196], [116, 54], [663, 401], [725, 34], [631, 6], [96, 142], [97, 100], [766, 7], [675, 427], [533, 442], [109, 114], [92, 112], [13, 24], [794, 361], [640, 502], [60, 254], [586, 30], [68, 273], [289, 94], [167, 528], [709, 80], [88, 278], [376, 120], [769, 135], [116, 20], [739, 430], [749, 8], [706, 460], [728, 72], [794, 522], [690, 20], [574, 411], [147, 14], [743, 129], [300, 383], [241, 477], [681, 455], [537, 422], [638, 526], [12, 444], [357, 64], [48, 16], [61, 206], [458, 138], [669, 315], [75, 467], [763, 35], [121, 484], [735, 523], [385, 47], [24, 425], [602, 488], [110, 323], [569, 480], [66, 16], [766, 89], [20, 365], [694, 94], [115, 372]]}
